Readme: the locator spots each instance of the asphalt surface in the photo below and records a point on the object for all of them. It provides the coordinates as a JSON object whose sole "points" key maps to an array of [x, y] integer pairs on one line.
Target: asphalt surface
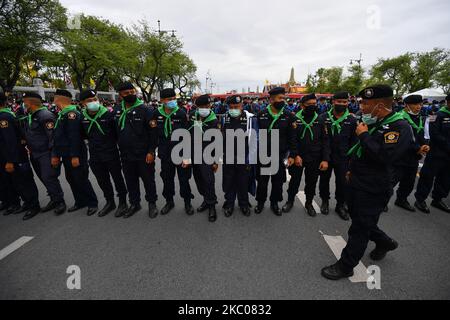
{"points": [[182, 257]]}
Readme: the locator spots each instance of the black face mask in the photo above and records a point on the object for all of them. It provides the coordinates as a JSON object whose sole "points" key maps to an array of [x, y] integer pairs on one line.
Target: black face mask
{"points": [[310, 110], [339, 108], [279, 105], [130, 99]]}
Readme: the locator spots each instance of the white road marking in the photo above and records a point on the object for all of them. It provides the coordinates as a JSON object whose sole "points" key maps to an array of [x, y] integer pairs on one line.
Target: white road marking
{"points": [[14, 246], [337, 244], [301, 195]]}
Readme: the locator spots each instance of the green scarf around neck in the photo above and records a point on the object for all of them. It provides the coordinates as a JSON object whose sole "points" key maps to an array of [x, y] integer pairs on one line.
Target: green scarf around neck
{"points": [[125, 111], [7, 110], [212, 116], [408, 118], [307, 126], [93, 120], [336, 123], [275, 117], [65, 111], [445, 110], [168, 121]]}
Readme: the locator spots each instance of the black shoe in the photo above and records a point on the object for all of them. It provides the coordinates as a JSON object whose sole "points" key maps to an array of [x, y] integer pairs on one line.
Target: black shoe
{"points": [[20, 210], [259, 208], [109, 206], [288, 206], [60, 208], [132, 210], [422, 206], [121, 209], [404, 204], [91, 211], [325, 207], [31, 213], [50, 206], [11, 210], [340, 210], [379, 253], [336, 272], [310, 209], [75, 208], [276, 209], [167, 208], [3, 206], [441, 205], [246, 211], [203, 207], [228, 212], [152, 211], [386, 209], [212, 214], [188, 208]]}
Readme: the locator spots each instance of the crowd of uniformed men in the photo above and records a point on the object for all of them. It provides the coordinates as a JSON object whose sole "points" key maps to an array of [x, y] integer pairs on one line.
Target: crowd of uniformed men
{"points": [[370, 148]]}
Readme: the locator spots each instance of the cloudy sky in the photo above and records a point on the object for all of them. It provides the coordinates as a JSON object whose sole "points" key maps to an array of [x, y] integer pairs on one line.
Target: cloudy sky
{"points": [[245, 42]]}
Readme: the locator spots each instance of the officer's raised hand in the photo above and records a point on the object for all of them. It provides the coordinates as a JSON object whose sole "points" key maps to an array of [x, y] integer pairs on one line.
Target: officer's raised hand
{"points": [[9, 167], [323, 166], [75, 162], [150, 158], [361, 128]]}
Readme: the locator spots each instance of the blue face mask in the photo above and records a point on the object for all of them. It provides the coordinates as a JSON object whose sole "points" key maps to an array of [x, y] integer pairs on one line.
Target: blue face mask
{"points": [[235, 113], [172, 104], [369, 119], [93, 106]]}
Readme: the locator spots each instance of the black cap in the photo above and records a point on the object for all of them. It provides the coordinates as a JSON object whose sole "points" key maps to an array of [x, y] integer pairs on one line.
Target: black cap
{"points": [[447, 98], [86, 94], [378, 91], [277, 90], [64, 93], [234, 99], [167, 93], [413, 99], [32, 95], [311, 96], [341, 95], [203, 100], [2, 97], [125, 86]]}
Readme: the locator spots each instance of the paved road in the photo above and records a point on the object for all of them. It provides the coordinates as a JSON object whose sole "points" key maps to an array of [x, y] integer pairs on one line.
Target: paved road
{"points": [[181, 257]]}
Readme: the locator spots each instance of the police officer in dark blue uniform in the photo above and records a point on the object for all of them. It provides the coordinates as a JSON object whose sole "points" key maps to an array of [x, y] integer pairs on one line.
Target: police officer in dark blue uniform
{"points": [[98, 127], [236, 174], [10, 200], [202, 120], [313, 150], [15, 164], [383, 139], [436, 166], [38, 129], [406, 168], [165, 120], [275, 117], [341, 127], [70, 148], [137, 145]]}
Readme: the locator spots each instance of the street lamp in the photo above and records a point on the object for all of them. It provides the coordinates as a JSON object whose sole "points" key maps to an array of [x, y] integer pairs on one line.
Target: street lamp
{"points": [[358, 61]]}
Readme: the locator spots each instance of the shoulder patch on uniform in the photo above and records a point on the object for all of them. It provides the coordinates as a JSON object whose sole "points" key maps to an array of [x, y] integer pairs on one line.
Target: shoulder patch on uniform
{"points": [[391, 137], [50, 125], [153, 123], [71, 115], [4, 124]]}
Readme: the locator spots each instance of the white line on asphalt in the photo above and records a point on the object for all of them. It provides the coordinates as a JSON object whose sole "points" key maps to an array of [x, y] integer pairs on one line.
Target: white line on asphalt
{"points": [[337, 244], [14, 246]]}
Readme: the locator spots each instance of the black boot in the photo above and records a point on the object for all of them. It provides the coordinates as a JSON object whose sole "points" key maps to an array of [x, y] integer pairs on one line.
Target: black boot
{"points": [[3, 206], [245, 211], [21, 209], [228, 212], [50, 206], [91, 211], [109, 206], [404, 204], [336, 272], [132, 210], [441, 205], [188, 207], [325, 207], [203, 207], [167, 208], [121, 209], [340, 210], [11, 210], [276, 209], [259, 208], [310, 209], [212, 214], [288, 206], [31, 213], [379, 253], [152, 210], [75, 208], [60, 208], [422, 206]]}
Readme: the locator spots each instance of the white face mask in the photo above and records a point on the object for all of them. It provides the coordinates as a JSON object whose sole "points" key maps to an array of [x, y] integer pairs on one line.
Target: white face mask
{"points": [[204, 112]]}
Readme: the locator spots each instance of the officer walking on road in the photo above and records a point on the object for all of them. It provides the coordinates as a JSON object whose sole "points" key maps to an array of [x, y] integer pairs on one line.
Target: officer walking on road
{"points": [[98, 127], [71, 150], [137, 146], [383, 139]]}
